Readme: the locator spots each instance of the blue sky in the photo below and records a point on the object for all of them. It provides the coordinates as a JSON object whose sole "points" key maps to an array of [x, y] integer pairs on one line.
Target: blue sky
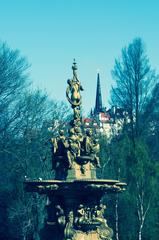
{"points": [[51, 33]]}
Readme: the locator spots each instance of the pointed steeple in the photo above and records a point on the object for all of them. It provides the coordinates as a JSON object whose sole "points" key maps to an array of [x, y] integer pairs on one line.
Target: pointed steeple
{"points": [[98, 104]]}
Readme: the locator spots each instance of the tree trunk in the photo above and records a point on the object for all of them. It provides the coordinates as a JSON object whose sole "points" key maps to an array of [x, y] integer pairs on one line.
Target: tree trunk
{"points": [[140, 232], [116, 219]]}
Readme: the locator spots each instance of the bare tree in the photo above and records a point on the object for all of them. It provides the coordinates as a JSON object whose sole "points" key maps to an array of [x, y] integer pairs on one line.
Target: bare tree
{"points": [[134, 79], [25, 119]]}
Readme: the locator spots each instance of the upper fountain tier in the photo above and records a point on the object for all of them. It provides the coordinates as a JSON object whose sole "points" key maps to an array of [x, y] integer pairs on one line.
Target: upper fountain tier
{"points": [[75, 150]]}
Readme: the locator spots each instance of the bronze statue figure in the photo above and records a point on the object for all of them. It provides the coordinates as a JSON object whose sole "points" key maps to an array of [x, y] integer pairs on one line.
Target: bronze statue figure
{"points": [[95, 148], [73, 147], [60, 215], [59, 150], [74, 88]]}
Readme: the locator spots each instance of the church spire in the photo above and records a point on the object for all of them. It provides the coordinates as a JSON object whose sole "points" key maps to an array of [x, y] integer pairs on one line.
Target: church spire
{"points": [[98, 104]]}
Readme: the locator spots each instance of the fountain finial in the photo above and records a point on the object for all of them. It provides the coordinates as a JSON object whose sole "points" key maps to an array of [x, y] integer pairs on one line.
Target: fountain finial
{"points": [[74, 66]]}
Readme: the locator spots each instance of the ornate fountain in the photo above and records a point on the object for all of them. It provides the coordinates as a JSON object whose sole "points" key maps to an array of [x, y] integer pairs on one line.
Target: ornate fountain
{"points": [[74, 207]]}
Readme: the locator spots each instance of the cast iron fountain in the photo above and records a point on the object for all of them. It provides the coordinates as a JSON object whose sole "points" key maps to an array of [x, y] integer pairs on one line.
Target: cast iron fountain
{"points": [[74, 209]]}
